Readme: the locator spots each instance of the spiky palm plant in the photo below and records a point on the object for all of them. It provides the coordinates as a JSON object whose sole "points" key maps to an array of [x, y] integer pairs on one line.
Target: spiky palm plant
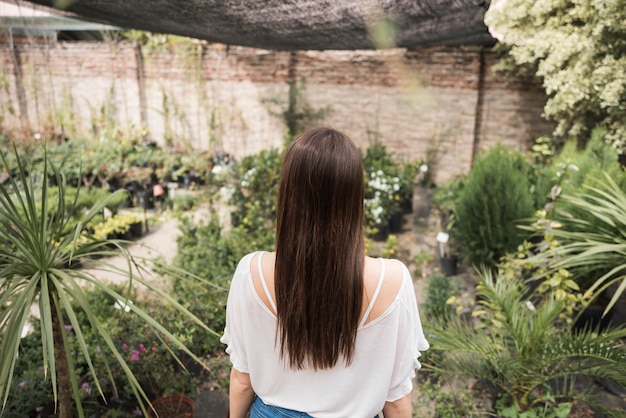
{"points": [[594, 247], [524, 351], [37, 271]]}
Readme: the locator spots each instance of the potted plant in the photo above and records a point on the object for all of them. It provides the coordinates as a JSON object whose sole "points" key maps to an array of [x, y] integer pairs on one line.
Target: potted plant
{"points": [[382, 202], [443, 204], [448, 259]]}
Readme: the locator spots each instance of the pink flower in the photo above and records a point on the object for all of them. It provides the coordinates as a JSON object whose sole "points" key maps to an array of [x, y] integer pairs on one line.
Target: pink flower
{"points": [[22, 384], [87, 388], [142, 348], [125, 346], [135, 355]]}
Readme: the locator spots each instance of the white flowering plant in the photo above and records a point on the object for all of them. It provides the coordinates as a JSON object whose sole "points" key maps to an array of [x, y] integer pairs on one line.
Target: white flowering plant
{"points": [[382, 197], [388, 183]]}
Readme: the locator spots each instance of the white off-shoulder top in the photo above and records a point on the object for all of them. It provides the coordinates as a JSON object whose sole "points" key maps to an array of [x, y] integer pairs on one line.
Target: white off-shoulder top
{"points": [[382, 370]]}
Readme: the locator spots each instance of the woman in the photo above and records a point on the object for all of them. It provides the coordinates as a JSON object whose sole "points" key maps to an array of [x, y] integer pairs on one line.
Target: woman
{"points": [[317, 328]]}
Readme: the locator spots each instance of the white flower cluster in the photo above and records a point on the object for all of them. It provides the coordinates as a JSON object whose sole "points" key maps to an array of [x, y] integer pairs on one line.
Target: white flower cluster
{"points": [[226, 193], [222, 172], [247, 177], [384, 188], [375, 210], [382, 184]]}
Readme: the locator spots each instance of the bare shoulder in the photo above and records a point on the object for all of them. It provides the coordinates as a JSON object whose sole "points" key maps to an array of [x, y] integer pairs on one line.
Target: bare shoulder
{"points": [[394, 271], [392, 282], [267, 269]]}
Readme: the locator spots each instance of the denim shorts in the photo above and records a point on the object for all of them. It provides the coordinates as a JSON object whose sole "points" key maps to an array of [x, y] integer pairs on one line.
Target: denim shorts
{"points": [[261, 410]]}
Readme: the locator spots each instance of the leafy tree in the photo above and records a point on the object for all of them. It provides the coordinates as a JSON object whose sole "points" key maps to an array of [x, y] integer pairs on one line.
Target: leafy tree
{"points": [[577, 49]]}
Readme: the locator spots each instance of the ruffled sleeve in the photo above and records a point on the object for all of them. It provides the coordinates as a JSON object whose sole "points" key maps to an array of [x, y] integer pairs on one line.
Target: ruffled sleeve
{"points": [[410, 342], [233, 336]]}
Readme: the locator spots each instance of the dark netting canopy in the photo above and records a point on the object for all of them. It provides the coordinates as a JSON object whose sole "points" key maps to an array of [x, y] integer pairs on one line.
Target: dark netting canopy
{"points": [[297, 24]]}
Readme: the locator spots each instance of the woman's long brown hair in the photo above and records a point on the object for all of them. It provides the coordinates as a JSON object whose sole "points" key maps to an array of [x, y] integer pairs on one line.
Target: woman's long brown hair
{"points": [[319, 250]]}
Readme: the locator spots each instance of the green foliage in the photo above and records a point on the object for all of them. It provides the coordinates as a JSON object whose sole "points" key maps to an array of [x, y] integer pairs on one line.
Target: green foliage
{"points": [[443, 203], [377, 157], [255, 188], [571, 171], [155, 367], [210, 252], [37, 260], [571, 167], [116, 226], [577, 49], [445, 402], [438, 291], [184, 201], [389, 183], [495, 197], [548, 410], [520, 348], [153, 363], [446, 195], [391, 246], [594, 251], [547, 281], [31, 389]]}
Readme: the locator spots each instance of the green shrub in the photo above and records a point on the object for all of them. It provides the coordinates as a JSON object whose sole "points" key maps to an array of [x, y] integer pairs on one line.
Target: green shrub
{"points": [[118, 224], [31, 389], [184, 200], [445, 401], [256, 184], [208, 251], [438, 291], [572, 167], [573, 172], [145, 351], [494, 199]]}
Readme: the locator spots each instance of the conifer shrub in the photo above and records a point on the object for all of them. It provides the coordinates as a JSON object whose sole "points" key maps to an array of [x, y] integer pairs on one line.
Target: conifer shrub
{"points": [[495, 199]]}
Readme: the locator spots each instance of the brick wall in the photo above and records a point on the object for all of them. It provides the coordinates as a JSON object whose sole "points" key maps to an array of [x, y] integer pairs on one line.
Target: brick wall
{"points": [[433, 102]]}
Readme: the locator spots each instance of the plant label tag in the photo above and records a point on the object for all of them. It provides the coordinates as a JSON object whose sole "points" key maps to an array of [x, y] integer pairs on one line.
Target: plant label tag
{"points": [[443, 237]]}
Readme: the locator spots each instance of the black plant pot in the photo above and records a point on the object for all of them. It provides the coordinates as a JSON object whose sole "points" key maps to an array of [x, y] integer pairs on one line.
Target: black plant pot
{"points": [[395, 223], [145, 199], [136, 230], [382, 233], [449, 265], [406, 204]]}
